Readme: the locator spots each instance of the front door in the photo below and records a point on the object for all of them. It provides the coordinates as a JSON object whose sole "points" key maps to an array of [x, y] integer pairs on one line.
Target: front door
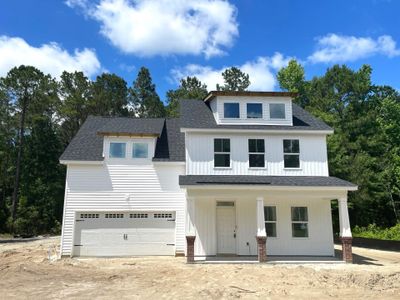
{"points": [[226, 227]]}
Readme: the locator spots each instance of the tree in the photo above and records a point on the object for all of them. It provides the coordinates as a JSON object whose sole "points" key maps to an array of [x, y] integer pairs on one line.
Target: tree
{"points": [[292, 79], [234, 80], [109, 96], [30, 91], [42, 181], [189, 88], [146, 102], [75, 90]]}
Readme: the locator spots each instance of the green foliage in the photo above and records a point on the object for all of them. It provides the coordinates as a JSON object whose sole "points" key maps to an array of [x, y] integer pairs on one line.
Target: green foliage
{"points": [[372, 231], [189, 88], [234, 80], [144, 97]]}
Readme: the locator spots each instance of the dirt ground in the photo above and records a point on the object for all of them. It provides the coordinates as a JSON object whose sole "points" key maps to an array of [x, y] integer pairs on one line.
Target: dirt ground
{"points": [[27, 273]]}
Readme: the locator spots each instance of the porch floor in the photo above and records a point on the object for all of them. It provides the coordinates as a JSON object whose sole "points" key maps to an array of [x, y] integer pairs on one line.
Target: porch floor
{"points": [[272, 259]]}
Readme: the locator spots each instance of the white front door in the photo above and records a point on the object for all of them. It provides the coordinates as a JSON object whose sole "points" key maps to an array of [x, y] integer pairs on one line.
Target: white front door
{"points": [[226, 227]]}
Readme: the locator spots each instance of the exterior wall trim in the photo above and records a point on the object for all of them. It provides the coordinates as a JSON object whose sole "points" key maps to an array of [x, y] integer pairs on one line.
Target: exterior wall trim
{"points": [[266, 187], [264, 131], [81, 162]]}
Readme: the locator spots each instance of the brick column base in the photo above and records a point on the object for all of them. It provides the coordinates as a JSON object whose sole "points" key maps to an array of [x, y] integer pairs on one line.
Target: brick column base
{"points": [[190, 248], [347, 254], [262, 248]]}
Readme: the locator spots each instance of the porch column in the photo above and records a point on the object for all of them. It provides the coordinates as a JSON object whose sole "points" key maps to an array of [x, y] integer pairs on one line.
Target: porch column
{"points": [[261, 233], [345, 230], [190, 229]]}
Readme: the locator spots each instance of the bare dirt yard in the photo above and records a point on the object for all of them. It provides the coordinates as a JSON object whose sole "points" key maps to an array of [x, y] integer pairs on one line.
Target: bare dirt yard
{"points": [[27, 273]]}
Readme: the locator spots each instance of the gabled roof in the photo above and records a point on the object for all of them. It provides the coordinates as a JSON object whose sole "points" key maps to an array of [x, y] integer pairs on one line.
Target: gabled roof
{"points": [[87, 145], [299, 181], [197, 114]]}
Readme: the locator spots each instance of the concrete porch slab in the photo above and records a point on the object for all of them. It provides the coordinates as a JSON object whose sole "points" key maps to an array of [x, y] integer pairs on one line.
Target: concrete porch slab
{"points": [[270, 260]]}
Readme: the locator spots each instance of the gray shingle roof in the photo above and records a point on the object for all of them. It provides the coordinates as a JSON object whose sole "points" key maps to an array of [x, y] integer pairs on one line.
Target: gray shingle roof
{"points": [[197, 114], [87, 145], [323, 181], [133, 126]]}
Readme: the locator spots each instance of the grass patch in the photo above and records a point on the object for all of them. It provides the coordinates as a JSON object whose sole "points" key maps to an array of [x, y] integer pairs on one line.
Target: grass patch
{"points": [[375, 232]]}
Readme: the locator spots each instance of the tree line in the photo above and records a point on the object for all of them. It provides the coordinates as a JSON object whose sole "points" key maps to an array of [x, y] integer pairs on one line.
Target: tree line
{"points": [[39, 115]]}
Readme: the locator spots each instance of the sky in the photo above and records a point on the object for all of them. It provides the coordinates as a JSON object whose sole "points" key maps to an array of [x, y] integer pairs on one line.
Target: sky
{"points": [[178, 38]]}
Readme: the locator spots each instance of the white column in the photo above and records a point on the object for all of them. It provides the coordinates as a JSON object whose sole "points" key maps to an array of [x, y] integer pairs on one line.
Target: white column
{"points": [[260, 217], [345, 230], [190, 217]]}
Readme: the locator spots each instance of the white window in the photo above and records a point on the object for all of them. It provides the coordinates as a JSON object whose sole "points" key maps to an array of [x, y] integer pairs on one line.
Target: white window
{"points": [[163, 216], [254, 111], [138, 216], [89, 216], [140, 150], [277, 111], [270, 220], [291, 153], [256, 153], [231, 110], [117, 150], [114, 216], [299, 221], [222, 153]]}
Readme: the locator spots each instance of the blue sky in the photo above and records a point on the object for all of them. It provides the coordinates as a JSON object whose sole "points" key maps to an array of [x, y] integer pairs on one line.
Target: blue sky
{"points": [[177, 38]]}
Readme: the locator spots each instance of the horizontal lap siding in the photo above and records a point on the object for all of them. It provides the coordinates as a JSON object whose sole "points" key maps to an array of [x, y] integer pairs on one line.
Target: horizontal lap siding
{"points": [[123, 187]]}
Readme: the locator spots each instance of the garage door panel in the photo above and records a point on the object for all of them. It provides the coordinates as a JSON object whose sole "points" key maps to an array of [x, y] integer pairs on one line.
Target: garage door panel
{"points": [[125, 236]]}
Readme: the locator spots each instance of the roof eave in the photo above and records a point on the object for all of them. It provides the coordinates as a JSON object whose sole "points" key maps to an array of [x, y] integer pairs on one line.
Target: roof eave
{"points": [[213, 94], [268, 187], [275, 131]]}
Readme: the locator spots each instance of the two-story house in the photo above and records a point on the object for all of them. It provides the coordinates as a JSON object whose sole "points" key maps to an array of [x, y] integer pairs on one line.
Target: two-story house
{"points": [[240, 173]]}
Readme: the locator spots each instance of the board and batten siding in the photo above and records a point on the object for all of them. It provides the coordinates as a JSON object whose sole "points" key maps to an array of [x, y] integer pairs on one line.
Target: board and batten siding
{"points": [[200, 155], [217, 107], [123, 187], [319, 242]]}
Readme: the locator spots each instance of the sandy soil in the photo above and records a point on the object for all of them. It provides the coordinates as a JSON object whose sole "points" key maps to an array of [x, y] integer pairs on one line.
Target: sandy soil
{"points": [[27, 273]]}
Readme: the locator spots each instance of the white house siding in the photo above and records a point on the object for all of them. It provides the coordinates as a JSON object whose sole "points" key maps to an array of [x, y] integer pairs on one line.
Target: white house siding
{"points": [[319, 242], [217, 106], [200, 155], [128, 187]]}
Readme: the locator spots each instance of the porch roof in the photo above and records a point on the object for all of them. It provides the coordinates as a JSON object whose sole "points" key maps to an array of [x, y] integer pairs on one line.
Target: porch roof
{"points": [[292, 181]]}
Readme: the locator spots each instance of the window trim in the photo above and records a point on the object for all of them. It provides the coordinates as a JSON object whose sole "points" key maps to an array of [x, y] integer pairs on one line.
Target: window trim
{"points": [[231, 118], [273, 222], [284, 110], [262, 110], [300, 222], [291, 153], [229, 153], [133, 149], [257, 153], [109, 150]]}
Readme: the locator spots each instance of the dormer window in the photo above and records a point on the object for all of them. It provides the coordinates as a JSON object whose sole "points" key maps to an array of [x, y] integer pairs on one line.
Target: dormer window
{"points": [[140, 150], [277, 111], [254, 111], [231, 111], [117, 150]]}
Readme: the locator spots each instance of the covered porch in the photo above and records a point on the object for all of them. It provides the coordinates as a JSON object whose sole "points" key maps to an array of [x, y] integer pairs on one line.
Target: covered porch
{"points": [[248, 223]]}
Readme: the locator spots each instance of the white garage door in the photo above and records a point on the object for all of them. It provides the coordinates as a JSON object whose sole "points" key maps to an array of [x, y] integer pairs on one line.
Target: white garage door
{"points": [[124, 233]]}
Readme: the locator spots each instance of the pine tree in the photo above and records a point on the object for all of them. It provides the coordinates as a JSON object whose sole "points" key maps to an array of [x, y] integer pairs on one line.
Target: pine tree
{"points": [[234, 80]]}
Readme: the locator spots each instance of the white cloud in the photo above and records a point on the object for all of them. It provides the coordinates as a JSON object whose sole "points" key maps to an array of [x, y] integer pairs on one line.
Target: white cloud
{"points": [[49, 58], [334, 48], [165, 27], [261, 72]]}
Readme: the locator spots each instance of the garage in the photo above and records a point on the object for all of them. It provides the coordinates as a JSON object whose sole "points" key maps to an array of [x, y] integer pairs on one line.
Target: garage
{"points": [[124, 233]]}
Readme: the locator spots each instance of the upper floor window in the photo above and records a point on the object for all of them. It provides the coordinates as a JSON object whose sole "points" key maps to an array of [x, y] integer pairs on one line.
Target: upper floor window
{"points": [[231, 110], [117, 150], [256, 153], [299, 222], [222, 152], [270, 220], [277, 111], [140, 150], [291, 153], [254, 111]]}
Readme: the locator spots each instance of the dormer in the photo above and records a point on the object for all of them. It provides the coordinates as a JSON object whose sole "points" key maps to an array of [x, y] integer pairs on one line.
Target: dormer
{"points": [[251, 108]]}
